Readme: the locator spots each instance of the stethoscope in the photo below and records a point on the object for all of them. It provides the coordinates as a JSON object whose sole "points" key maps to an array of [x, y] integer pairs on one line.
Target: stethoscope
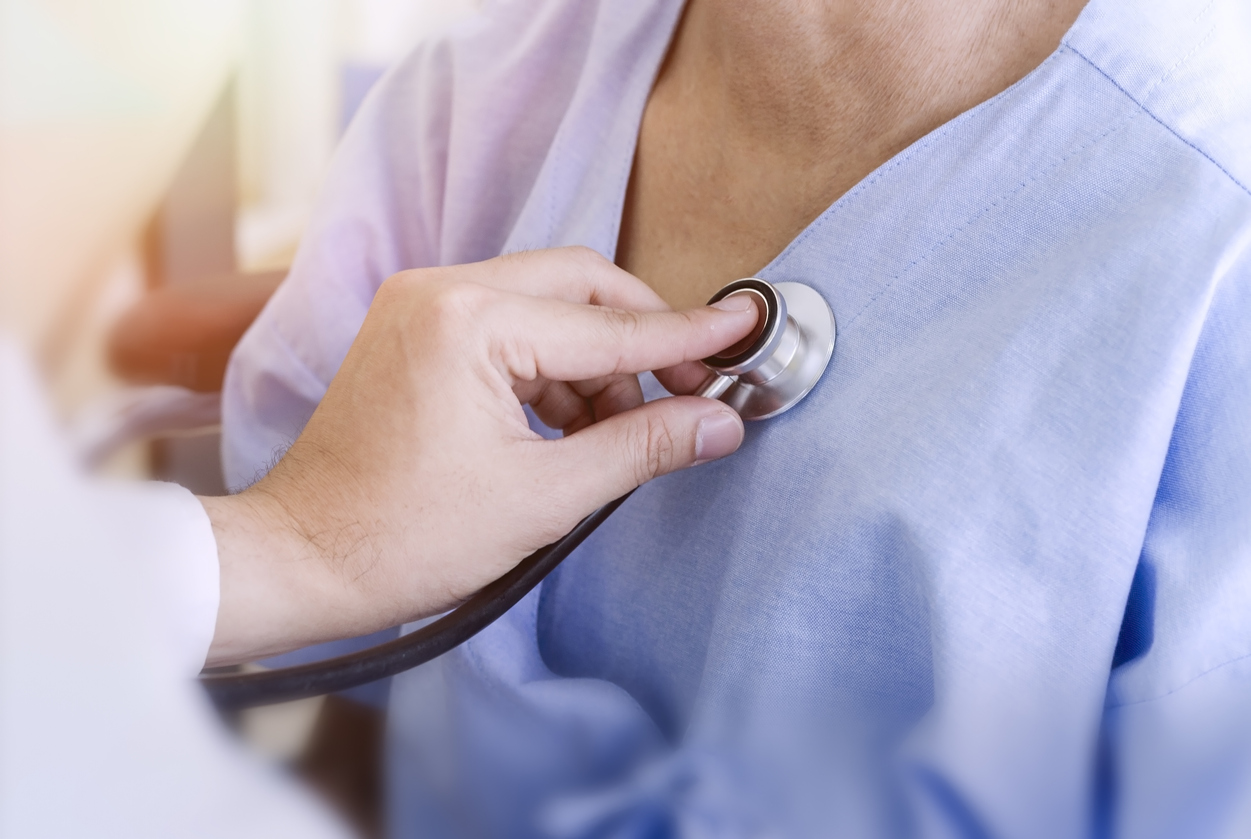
{"points": [[761, 376]]}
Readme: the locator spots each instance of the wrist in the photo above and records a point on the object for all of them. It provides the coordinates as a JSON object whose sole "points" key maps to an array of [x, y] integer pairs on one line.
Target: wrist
{"points": [[278, 592]]}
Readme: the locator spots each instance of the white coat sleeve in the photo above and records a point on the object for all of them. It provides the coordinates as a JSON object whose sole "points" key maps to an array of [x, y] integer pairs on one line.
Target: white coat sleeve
{"points": [[108, 599]]}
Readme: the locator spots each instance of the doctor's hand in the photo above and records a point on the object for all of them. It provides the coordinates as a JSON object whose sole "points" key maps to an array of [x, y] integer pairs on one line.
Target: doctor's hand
{"points": [[417, 480]]}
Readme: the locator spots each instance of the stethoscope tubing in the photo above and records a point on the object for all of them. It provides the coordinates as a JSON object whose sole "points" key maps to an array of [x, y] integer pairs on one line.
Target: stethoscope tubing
{"points": [[234, 691]]}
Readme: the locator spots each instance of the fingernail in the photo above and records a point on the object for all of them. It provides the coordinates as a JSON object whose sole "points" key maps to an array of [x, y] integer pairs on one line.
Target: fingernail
{"points": [[735, 303], [717, 435]]}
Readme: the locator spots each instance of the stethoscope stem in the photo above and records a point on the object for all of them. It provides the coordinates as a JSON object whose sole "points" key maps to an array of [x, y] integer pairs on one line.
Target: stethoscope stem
{"points": [[716, 385]]}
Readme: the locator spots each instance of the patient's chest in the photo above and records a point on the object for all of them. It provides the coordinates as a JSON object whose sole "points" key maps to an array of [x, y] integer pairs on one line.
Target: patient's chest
{"points": [[960, 502], [810, 561], [964, 491]]}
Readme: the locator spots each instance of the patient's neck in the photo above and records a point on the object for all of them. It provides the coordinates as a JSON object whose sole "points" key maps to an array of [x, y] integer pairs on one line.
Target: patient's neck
{"points": [[827, 74], [766, 111]]}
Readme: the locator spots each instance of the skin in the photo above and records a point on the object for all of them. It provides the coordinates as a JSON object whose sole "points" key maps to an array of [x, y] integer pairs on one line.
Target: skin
{"points": [[765, 112], [417, 480]]}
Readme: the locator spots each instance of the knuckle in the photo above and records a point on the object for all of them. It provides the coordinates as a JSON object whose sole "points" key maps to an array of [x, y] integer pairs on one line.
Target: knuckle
{"points": [[394, 289], [633, 331], [584, 257], [588, 269], [410, 282], [397, 302], [655, 449], [454, 304], [627, 326], [618, 330]]}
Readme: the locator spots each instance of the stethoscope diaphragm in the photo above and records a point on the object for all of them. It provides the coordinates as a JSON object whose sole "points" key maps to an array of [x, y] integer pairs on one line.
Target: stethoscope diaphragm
{"points": [[781, 361]]}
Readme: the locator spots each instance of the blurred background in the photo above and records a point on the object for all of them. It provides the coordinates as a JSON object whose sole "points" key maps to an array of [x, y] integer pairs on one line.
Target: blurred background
{"points": [[158, 160]]}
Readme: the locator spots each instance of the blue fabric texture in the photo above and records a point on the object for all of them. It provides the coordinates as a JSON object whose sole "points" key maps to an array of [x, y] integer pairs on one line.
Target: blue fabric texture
{"points": [[991, 579]]}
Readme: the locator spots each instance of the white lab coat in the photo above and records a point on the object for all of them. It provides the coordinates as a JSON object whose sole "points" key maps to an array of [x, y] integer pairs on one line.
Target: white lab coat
{"points": [[108, 598]]}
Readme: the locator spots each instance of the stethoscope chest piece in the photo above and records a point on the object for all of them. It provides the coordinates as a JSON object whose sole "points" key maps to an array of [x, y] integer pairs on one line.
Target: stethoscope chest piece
{"points": [[776, 366]]}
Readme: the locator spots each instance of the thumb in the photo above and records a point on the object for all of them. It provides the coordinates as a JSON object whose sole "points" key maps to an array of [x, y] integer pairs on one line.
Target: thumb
{"points": [[609, 458]]}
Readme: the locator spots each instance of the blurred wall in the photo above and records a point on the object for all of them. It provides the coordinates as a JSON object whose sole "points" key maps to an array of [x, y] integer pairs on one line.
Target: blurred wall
{"points": [[101, 104], [98, 104]]}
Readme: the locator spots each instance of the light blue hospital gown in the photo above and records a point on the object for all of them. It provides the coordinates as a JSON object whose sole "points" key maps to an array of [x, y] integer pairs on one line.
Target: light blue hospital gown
{"points": [[993, 578]]}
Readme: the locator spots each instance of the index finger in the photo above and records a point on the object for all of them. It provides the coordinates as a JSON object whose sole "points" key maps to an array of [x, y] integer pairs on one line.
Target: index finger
{"points": [[573, 274], [570, 342]]}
